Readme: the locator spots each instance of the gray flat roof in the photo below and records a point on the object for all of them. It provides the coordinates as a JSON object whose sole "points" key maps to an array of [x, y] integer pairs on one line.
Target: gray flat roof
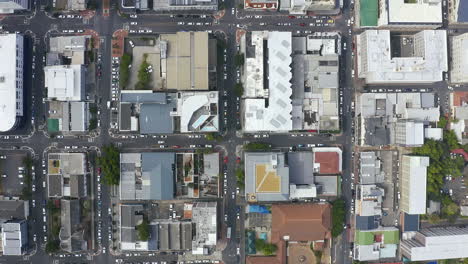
{"points": [[147, 176], [157, 168], [327, 185], [160, 98], [125, 116], [155, 118], [301, 167]]}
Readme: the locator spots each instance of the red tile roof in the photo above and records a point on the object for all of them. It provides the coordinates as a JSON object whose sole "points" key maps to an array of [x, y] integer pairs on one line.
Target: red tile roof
{"points": [[461, 152], [301, 222], [329, 162], [459, 98]]}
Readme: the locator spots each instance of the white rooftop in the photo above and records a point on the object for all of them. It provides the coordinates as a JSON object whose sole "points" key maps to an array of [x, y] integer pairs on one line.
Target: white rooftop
{"points": [[437, 243], [64, 82], [416, 185], [8, 79], [427, 65], [277, 116], [421, 11]]}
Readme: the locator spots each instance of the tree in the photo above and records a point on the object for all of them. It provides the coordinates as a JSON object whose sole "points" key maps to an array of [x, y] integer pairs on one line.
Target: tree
{"points": [[442, 122], [257, 146], [143, 230], [264, 247], [125, 62], [239, 59], [93, 109], [451, 139], [52, 246], [92, 124], [338, 216], [434, 219], [213, 137], [110, 164], [240, 176], [238, 89], [144, 76]]}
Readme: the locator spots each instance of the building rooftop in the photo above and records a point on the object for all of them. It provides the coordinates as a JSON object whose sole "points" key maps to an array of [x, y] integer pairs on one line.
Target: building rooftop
{"points": [[327, 185], [204, 217], [413, 192], [71, 231], [414, 12], [198, 111], [9, 106], [300, 222], [300, 167], [186, 61], [66, 175], [369, 201], [436, 243], [327, 160], [266, 177], [377, 63], [65, 82], [276, 116], [370, 168], [147, 176], [376, 244], [366, 222], [14, 237], [13, 209], [147, 111]]}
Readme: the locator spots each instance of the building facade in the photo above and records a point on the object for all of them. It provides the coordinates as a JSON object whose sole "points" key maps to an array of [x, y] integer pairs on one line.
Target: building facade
{"points": [[413, 186], [459, 67], [11, 81]]}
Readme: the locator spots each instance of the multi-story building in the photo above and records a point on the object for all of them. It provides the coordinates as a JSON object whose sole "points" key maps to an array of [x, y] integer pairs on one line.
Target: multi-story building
{"points": [[413, 186], [65, 82], [267, 73], [14, 237], [10, 6], [176, 5], [301, 7], [449, 242], [402, 13], [459, 59], [423, 60], [261, 5], [11, 81]]}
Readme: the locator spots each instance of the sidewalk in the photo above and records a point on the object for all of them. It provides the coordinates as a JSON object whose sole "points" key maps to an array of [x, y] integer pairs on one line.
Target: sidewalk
{"points": [[118, 38]]}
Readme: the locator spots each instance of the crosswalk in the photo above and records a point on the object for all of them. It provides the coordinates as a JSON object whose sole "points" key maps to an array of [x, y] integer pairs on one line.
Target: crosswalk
{"points": [[91, 139]]}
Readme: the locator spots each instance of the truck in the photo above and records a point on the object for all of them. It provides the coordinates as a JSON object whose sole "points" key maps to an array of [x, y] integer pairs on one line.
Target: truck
{"points": [[228, 233]]}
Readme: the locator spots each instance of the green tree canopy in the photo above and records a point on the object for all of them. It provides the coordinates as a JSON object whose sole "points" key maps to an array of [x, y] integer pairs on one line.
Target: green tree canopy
{"points": [[110, 164], [143, 230], [338, 216], [52, 246]]}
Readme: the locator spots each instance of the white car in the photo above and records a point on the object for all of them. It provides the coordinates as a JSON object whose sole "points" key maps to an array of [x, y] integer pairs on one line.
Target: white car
{"points": [[133, 23]]}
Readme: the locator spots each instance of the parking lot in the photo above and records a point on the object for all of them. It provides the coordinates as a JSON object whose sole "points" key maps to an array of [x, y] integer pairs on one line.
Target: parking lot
{"points": [[12, 179]]}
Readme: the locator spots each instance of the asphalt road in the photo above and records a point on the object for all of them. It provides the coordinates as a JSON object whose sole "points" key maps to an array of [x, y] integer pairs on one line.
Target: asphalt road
{"points": [[41, 25]]}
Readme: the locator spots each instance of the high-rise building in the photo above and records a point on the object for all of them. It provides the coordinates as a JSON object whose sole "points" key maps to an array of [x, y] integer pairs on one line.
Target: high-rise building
{"points": [[435, 243], [423, 60], [11, 80], [459, 69], [413, 186], [10, 6]]}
